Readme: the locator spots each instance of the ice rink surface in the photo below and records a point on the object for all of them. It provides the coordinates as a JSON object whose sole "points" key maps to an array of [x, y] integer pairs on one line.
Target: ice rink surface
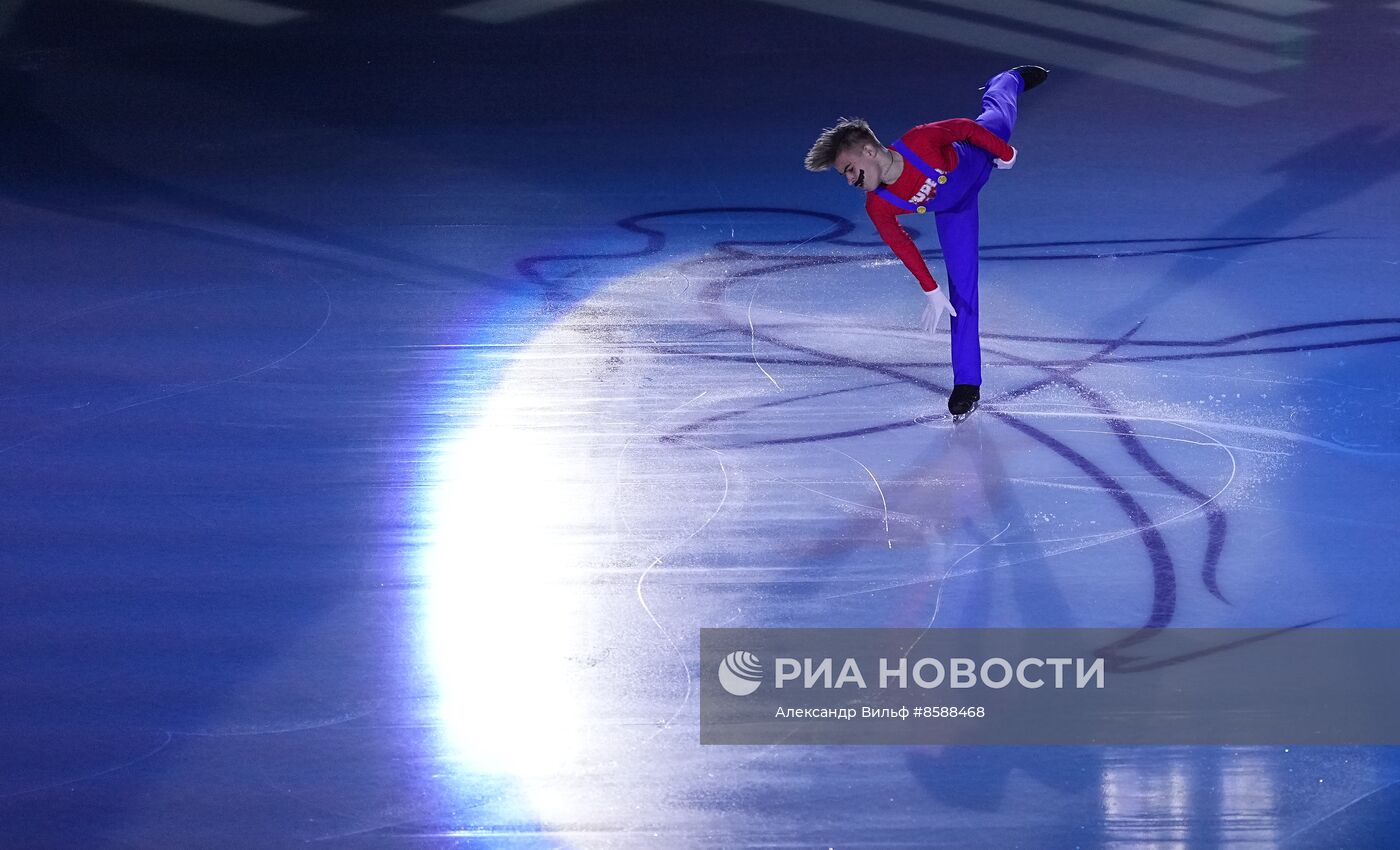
{"points": [[394, 390]]}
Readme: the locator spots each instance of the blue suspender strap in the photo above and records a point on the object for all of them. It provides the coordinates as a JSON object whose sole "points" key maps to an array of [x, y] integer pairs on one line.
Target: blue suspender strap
{"points": [[919, 165], [914, 160], [894, 199]]}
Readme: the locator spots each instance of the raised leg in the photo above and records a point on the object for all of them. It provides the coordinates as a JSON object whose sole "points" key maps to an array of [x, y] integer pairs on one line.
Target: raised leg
{"points": [[999, 103]]}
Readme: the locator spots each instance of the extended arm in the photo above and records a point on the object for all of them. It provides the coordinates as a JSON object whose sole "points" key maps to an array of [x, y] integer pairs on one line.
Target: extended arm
{"points": [[967, 130], [934, 142], [895, 236]]}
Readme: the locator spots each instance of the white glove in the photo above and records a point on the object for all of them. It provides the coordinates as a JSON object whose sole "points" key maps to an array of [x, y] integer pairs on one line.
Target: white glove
{"points": [[938, 306], [1005, 163]]}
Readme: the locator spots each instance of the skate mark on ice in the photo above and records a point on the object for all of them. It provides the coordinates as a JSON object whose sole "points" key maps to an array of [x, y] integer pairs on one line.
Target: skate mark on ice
{"points": [[188, 388], [948, 575], [884, 505], [88, 777], [641, 579]]}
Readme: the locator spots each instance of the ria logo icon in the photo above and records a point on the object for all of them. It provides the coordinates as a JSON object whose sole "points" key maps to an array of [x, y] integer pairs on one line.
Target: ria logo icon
{"points": [[740, 673]]}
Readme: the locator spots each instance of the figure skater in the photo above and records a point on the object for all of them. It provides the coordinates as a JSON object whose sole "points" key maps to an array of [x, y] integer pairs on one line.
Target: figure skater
{"points": [[937, 168]]}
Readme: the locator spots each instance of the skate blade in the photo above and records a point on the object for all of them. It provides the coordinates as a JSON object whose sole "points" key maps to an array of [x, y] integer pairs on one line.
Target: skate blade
{"points": [[959, 417]]}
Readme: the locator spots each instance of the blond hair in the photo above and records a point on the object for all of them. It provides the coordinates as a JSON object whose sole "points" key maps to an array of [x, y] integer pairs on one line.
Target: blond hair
{"points": [[848, 133]]}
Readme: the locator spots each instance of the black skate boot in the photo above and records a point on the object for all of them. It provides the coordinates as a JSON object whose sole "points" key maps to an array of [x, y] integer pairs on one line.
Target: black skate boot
{"points": [[1031, 76], [963, 400]]}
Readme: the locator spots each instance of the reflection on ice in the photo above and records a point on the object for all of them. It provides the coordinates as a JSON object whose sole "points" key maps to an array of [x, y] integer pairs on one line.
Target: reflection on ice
{"points": [[501, 613]]}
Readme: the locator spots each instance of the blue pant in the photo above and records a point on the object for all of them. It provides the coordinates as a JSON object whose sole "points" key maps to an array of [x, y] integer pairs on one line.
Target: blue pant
{"points": [[955, 216]]}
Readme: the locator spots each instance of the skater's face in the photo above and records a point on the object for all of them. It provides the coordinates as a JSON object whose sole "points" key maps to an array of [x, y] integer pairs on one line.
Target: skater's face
{"points": [[860, 167]]}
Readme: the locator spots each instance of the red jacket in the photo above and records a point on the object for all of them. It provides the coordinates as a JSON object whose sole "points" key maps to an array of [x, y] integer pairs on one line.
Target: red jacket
{"points": [[934, 144]]}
